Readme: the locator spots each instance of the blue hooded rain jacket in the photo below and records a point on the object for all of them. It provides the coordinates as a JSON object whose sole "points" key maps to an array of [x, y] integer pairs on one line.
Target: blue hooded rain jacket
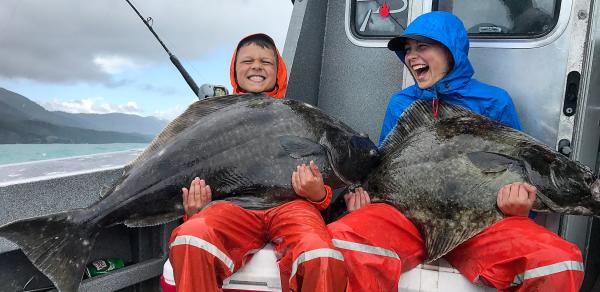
{"points": [[457, 87]]}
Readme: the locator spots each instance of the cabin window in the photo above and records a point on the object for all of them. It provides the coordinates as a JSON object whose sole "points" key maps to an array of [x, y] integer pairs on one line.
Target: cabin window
{"points": [[378, 19], [504, 18]]}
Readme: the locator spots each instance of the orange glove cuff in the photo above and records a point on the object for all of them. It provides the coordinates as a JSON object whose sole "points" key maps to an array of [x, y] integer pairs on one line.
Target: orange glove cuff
{"points": [[323, 204]]}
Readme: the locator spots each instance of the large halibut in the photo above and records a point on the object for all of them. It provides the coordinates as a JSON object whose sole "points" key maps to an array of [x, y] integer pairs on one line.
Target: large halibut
{"points": [[444, 174], [245, 147]]}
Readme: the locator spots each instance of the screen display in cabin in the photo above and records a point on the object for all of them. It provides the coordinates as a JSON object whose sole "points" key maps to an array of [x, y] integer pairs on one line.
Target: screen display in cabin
{"points": [[504, 18], [379, 18]]}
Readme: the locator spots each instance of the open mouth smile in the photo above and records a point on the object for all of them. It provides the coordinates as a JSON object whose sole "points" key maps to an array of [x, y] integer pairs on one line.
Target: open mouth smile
{"points": [[420, 71], [256, 78]]}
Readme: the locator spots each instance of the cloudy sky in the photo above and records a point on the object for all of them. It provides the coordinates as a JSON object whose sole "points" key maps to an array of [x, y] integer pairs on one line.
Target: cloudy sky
{"points": [[97, 56]]}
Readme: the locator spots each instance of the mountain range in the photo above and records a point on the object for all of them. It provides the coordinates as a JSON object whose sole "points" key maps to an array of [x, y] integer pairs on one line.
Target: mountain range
{"points": [[26, 122]]}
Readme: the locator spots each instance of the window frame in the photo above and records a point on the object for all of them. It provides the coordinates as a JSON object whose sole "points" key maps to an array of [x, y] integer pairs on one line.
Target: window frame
{"points": [[474, 36], [382, 37], [418, 7]]}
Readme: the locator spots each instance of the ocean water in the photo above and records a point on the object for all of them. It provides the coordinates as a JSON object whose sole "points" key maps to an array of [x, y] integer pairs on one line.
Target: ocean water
{"points": [[15, 153]]}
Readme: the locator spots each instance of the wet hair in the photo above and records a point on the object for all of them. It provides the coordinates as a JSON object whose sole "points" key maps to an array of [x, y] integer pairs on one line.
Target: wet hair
{"points": [[260, 40]]}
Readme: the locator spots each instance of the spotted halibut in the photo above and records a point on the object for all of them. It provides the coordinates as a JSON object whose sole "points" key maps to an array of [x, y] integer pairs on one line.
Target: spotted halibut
{"points": [[444, 174], [246, 148]]}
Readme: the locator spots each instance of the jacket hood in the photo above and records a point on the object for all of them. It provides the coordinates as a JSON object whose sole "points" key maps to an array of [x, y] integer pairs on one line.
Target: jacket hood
{"points": [[281, 83], [448, 30]]}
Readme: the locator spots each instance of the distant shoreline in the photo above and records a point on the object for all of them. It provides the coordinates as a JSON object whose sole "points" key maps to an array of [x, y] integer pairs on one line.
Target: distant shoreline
{"points": [[24, 153]]}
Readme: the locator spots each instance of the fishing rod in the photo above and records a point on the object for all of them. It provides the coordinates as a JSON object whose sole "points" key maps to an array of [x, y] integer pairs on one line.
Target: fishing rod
{"points": [[173, 58]]}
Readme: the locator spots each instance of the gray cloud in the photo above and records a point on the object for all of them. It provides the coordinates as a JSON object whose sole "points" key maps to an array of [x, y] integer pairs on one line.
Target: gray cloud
{"points": [[91, 105], [58, 41]]}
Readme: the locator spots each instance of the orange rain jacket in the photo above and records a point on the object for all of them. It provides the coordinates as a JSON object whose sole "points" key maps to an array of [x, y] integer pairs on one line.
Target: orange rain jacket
{"points": [[214, 243]]}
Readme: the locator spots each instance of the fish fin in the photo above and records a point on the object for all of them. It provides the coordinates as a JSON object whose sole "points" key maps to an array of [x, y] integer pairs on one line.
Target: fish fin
{"points": [[152, 221], [193, 113], [58, 245], [419, 115], [298, 147], [443, 235], [490, 162], [115, 185]]}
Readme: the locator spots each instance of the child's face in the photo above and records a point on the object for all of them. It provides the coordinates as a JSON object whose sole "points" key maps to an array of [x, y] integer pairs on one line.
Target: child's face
{"points": [[428, 63], [256, 68]]}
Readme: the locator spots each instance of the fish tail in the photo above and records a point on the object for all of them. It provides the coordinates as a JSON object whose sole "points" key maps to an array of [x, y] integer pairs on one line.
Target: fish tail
{"points": [[58, 245]]}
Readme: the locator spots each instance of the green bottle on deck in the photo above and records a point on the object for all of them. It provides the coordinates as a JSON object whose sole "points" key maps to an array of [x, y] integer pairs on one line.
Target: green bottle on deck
{"points": [[103, 266]]}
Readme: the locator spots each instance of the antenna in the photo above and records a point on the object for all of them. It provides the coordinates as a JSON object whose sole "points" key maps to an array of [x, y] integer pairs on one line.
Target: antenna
{"points": [[173, 58]]}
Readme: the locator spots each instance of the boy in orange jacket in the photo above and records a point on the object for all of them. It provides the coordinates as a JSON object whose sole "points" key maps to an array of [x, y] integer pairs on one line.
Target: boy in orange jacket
{"points": [[215, 241]]}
